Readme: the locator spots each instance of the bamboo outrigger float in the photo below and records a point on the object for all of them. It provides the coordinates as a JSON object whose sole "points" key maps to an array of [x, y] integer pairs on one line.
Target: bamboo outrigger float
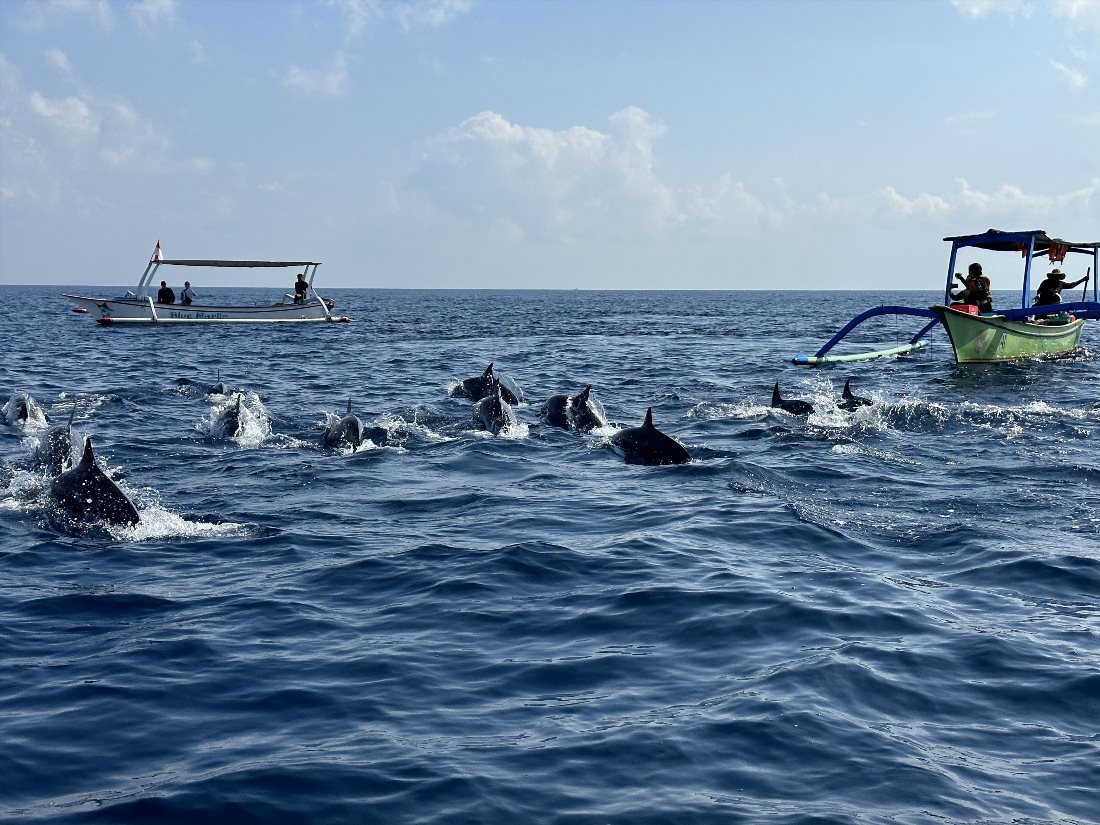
{"points": [[139, 307], [1000, 335]]}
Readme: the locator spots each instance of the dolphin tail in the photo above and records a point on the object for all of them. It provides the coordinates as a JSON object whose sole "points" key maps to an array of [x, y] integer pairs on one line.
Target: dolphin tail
{"points": [[649, 419], [776, 398]]}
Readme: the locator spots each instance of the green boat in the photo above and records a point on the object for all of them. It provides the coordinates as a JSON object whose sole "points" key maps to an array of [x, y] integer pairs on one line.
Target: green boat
{"points": [[1009, 334], [981, 339]]}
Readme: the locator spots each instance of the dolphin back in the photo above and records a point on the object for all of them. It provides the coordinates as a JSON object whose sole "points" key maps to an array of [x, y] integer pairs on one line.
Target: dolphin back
{"points": [[87, 492], [648, 445]]}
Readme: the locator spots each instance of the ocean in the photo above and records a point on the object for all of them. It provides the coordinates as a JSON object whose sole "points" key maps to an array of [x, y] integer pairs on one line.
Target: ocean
{"points": [[887, 616]]}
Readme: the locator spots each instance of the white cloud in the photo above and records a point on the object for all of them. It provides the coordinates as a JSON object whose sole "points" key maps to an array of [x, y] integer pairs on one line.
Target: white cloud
{"points": [[1073, 78], [1081, 14], [59, 60], [331, 81], [430, 13], [149, 13], [984, 8], [358, 16], [44, 13], [71, 118], [547, 184], [923, 205]]}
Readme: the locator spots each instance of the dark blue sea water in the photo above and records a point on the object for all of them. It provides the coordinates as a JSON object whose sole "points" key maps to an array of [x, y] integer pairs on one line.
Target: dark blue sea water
{"points": [[885, 617]]}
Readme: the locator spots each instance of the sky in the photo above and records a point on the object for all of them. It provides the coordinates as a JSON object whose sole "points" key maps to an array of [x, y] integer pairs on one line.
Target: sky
{"points": [[544, 144]]}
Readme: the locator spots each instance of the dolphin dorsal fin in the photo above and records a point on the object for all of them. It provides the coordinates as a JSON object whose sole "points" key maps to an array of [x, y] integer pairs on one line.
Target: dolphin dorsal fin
{"points": [[776, 398], [648, 418], [488, 371], [583, 397], [848, 388], [72, 415], [237, 408], [349, 406], [88, 457]]}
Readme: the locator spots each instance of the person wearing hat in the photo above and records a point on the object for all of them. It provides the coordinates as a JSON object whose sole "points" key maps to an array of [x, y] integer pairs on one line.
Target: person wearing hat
{"points": [[1051, 288], [976, 290], [187, 295]]}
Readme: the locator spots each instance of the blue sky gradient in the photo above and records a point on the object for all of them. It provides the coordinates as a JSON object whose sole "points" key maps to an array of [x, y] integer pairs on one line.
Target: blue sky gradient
{"points": [[455, 143]]}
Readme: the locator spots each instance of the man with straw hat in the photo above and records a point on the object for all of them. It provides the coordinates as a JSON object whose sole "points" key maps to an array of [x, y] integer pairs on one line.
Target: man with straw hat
{"points": [[1050, 289]]}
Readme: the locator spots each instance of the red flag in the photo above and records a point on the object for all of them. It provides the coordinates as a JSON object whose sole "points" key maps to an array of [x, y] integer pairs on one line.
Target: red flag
{"points": [[157, 256]]}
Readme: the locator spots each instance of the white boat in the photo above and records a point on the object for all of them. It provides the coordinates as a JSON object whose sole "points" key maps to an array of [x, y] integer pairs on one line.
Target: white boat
{"points": [[139, 307]]}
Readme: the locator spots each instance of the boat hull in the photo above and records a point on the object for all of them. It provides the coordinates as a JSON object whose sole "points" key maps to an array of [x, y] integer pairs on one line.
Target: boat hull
{"points": [[984, 339], [143, 311]]}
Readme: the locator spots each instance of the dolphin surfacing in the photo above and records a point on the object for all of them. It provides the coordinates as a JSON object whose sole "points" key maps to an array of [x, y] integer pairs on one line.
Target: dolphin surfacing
{"points": [[87, 492], [573, 412], [481, 386], [794, 406], [228, 421], [849, 401], [648, 445], [348, 430], [55, 448], [494, 413], [22, 410]]}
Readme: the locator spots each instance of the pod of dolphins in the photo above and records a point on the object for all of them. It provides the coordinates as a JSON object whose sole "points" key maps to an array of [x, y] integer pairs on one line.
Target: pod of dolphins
{"points": [[87, 493]]}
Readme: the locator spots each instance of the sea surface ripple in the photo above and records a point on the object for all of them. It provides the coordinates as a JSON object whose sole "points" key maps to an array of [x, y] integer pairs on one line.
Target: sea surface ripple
{"points": [[891, 616]]}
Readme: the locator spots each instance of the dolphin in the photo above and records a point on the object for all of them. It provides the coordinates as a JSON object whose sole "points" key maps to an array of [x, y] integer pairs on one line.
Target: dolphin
{"points": [[850, 401], [229, 419], [792, 405], [22, 410], [481, 386], [85, 490], [348, 430], [55, 447], [219, 388], [648, 445], [494, 413], [578, 412]]}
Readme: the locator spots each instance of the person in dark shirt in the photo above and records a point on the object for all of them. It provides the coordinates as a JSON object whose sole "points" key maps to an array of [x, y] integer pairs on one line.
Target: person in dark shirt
{"points": [[300, 288], [1050, 290], [165, 295]]}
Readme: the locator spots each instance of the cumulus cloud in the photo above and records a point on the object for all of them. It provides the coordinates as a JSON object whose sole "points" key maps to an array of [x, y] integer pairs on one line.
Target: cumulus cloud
{"points": [[331, 80], [1007, 202], [57, 149], [549, 184]]}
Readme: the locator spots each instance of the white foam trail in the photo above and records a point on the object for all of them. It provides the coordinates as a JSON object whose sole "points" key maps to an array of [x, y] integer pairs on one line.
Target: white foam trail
{"points": [[158, 523]]}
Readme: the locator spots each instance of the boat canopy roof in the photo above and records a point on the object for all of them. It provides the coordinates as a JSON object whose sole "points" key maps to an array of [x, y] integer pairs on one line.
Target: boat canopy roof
{"points": [[249, 264], [1000, 241]]}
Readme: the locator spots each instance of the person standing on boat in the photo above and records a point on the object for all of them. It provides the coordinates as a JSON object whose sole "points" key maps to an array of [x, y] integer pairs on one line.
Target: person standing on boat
{"points": [[301, 286], [187, 296], [977, 289], [165, 295], [1050, 290]]}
